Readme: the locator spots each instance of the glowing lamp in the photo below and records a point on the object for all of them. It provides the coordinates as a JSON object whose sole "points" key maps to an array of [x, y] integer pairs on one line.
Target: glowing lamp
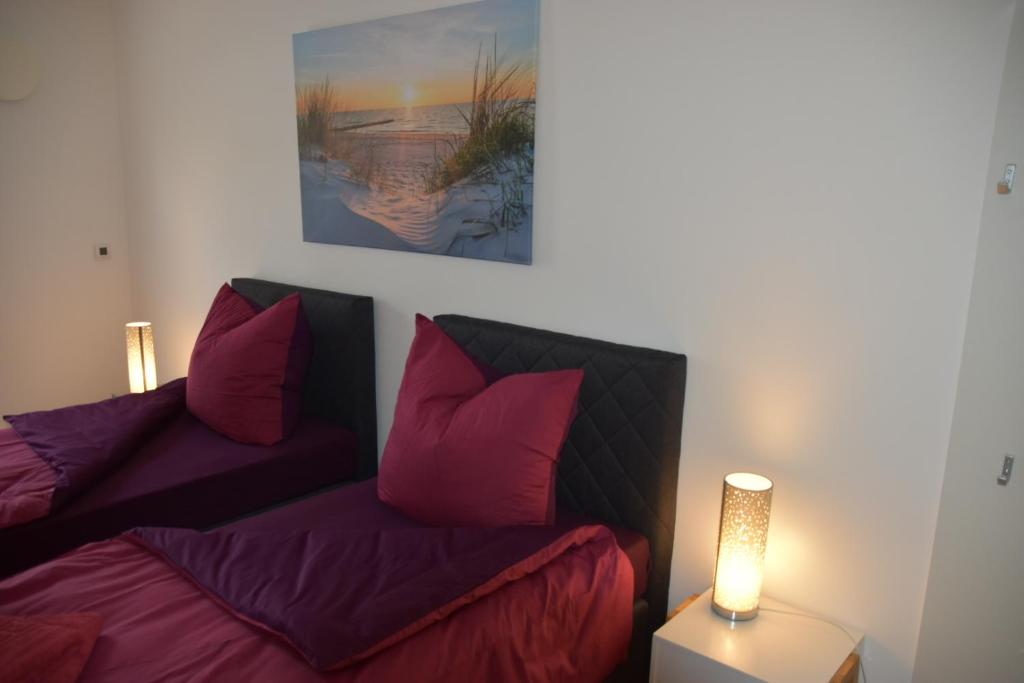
{"points": [[742, 537], [141, 357]]}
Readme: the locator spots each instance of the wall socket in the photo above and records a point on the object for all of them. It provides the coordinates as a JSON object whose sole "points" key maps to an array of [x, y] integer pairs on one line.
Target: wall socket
{"points": [[1005, 185], [101, 252]]}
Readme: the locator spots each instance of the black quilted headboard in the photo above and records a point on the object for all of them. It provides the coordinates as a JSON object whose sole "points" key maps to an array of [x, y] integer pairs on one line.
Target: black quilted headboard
{"points": [[620, 463], [341, 382]]}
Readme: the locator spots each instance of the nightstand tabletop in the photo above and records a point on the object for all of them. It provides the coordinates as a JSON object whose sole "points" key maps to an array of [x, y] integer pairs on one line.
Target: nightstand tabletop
{"points": [[773, 647]]}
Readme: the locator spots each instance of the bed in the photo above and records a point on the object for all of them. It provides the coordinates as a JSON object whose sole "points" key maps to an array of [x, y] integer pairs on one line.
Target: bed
{"points": [[618, 468], [165, 483], [620, 463]]}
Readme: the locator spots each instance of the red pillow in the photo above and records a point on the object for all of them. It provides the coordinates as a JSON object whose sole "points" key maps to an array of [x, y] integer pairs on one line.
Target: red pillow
{"points": [[465, 453], [247, 368], [52, 648]]}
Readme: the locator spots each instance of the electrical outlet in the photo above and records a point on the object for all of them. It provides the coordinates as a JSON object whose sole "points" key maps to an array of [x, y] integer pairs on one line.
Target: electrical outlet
{"points": [[101, 252], [1005, 185]]}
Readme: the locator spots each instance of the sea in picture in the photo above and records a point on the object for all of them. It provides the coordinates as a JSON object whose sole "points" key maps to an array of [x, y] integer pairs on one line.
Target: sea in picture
{"points": [[416, 132], [440, 119]]}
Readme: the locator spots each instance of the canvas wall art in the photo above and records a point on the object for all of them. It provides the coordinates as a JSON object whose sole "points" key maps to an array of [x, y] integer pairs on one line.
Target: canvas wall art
{"points": [[416, 132]]}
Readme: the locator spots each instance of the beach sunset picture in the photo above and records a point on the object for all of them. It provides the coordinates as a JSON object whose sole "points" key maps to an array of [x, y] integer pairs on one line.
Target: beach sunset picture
{"points": [[416, 132]]}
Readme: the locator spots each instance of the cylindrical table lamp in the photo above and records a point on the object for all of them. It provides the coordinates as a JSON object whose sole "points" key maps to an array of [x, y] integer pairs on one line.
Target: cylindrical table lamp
{"points": [[742, 538], [141, 357]]}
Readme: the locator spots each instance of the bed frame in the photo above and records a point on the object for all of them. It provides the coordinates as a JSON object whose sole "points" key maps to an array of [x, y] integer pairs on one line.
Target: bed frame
{"points": [[340, 385], [620, 463]]}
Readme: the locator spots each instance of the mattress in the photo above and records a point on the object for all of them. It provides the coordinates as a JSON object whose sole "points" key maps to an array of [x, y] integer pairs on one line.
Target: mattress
{"points": [[356, 507], [187, 475]]}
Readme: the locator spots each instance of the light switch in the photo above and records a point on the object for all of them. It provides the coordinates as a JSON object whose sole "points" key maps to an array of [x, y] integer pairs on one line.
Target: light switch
{"points": [[101, 252], [1004, 476]]}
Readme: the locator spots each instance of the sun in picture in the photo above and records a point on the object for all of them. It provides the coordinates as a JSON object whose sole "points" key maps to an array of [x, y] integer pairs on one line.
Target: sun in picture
{"points": [[409, 94]]}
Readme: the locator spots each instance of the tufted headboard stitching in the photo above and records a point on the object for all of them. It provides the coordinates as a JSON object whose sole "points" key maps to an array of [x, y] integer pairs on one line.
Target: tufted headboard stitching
{"points": [[340, 386], [620, 462]]}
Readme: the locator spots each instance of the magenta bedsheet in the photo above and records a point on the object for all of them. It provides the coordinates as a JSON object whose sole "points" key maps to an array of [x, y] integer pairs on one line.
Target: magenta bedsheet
{"points": [[26, 481], [569, 620]]}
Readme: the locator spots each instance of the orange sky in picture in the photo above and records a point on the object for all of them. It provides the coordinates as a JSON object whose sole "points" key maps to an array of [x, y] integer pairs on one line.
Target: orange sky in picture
{"points": [[355, 96]]}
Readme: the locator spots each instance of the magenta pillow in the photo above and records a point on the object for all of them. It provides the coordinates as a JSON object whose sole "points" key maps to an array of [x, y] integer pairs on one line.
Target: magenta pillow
{"points": [[52, 647], [247, 368], [465, 453]]}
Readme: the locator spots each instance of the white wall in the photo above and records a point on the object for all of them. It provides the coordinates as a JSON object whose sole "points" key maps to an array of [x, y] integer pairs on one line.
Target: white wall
{"points": [[788, 192], [973, 627], [62, 312]]}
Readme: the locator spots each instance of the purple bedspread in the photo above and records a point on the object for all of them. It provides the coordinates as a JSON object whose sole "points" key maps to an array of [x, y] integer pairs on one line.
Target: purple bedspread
{"points": [[186, 475], [339, 597], [83, 443], [357, 508]]}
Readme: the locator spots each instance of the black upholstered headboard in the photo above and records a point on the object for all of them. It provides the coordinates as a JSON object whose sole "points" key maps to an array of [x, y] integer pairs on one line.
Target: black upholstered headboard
{"points": [[341, 383], [620, 463]]}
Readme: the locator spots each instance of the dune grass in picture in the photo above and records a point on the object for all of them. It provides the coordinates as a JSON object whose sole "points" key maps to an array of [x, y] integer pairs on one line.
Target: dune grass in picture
{"points": [[416, 132]]}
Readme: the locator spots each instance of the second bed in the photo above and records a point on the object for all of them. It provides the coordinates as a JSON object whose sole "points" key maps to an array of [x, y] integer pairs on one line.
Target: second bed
{"points": [[188, 475]]}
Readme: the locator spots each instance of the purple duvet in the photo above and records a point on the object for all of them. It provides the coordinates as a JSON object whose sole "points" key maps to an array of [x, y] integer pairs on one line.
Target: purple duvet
{"points": [[340, 597], [145, 460], [85, 442]]}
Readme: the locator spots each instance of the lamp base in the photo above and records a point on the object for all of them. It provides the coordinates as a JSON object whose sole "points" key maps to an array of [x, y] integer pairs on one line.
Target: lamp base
{"points": [[732, 615]]}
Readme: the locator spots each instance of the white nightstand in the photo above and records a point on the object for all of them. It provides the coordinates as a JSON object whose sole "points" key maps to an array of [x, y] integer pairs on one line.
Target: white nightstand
{"points": [[698, 646]]}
